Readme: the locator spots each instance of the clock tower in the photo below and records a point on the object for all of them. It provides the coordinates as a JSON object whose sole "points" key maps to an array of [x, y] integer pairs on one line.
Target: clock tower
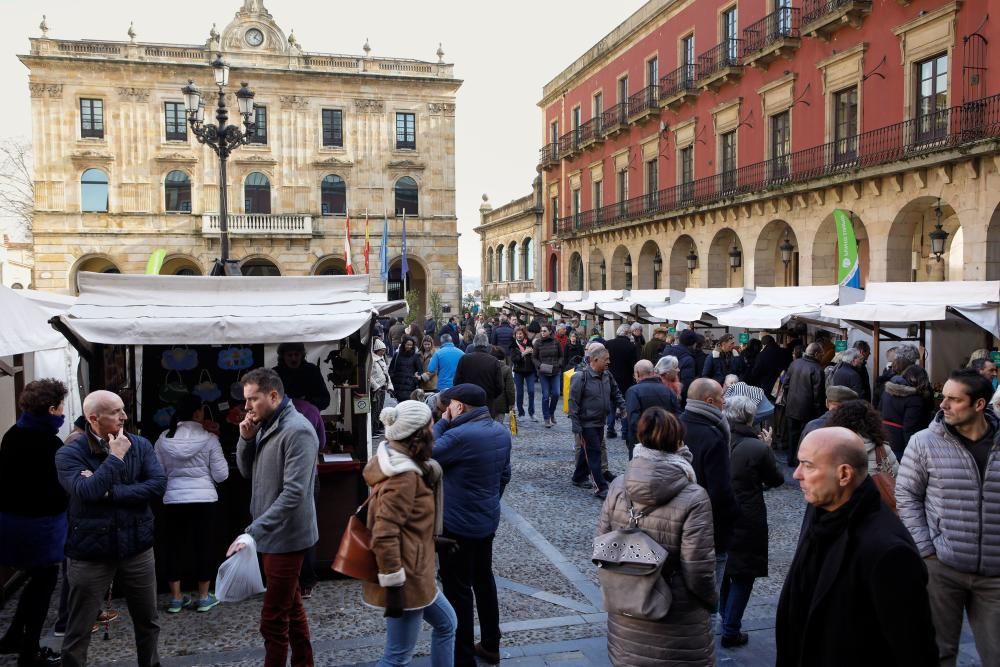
{"points": [[254, 30]]}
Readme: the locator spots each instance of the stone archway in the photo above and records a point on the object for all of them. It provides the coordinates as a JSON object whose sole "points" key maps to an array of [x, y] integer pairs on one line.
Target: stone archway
{"points": [[597, 270], [908, 247], [416, 281], [650, 274], [259, 266], [770, 270], [93, 264], [824, 251], [331, 265], [720, 270], [575, 281], [553, 273], [621, 268], [993, 246], [180, 265], [680, 276]]}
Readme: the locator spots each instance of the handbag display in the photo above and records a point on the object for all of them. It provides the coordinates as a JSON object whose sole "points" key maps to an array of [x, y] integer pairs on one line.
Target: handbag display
{"points": [[355, 557], [235, 358], [206, 390], [631, 573], [179, 359], [883, 478], [173, 390]]}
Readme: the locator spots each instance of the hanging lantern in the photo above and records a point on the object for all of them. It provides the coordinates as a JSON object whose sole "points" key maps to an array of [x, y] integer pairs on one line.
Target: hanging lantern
{"points": [[938, 235], [692, 260]]}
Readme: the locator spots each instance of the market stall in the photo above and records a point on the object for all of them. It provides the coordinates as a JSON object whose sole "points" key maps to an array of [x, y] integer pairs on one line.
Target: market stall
{"points": [[774, 307], [637, 302], [700, 306], [156, 339], [946, 319]]}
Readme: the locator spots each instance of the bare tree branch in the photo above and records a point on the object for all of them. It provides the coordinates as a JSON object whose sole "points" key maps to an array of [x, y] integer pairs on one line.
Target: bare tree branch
{"points": [[17, 188]]}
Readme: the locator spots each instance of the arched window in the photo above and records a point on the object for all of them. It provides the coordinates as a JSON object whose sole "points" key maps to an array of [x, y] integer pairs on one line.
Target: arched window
{"points": [[500, 275], [576, 272], [333, 195], [489, 265], [259, 267], [257, 193], [94, 191], [527, 260], [177, 192], [406, 196], [512, 261]]}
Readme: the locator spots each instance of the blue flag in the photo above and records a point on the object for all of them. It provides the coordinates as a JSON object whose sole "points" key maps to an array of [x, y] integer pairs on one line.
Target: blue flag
{"points": [[383, 252], [404, 268]]}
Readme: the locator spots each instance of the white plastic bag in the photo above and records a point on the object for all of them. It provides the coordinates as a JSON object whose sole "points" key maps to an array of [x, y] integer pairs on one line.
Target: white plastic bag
{"points": [[239, 575]]}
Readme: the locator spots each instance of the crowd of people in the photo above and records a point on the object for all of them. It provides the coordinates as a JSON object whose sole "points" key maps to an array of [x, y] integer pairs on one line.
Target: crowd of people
{"points": [[901, 483]]}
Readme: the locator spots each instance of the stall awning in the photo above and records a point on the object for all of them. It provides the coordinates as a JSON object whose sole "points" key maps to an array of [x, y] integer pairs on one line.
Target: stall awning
{"points": [[25, 326], [699, 301], [558, 298], [772, 307], [589, 303], [977, 301], [169, 310], [637, 302]]}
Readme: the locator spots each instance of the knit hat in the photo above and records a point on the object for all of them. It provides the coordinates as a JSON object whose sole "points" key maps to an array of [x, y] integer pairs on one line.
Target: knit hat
{"points": [[688, 337], [378, 345], [405, 419], [839, 393], [471, 394]]}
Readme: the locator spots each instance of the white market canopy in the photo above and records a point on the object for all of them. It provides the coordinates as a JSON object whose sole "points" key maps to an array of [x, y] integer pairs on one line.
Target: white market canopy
{"points": [[25, 326], [638, 301], [906, 303], [166, 310], [557, 299], [772, 307], [591, 300], [699, 302]]}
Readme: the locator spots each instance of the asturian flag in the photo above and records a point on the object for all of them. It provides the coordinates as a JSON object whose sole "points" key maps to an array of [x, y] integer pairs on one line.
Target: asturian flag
{"points": [[383, 251], [368, 246]]}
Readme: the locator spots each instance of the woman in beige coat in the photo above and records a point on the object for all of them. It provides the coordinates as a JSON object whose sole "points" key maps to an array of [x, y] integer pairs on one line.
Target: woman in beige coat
{"points": [[677, 514], [403, 516]]}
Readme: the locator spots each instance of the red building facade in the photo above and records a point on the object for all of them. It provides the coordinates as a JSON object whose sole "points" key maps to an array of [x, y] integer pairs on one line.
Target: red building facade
{"points": [[708, 143]]}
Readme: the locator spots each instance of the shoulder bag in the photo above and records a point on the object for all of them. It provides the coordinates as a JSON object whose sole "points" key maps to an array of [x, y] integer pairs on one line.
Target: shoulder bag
{"points": [[355, 557], [884, 481], [631, 572]]}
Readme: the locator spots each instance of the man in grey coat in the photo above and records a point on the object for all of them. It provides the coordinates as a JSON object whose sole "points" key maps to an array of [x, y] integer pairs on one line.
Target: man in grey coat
{"points": [[948, 496], [277, 453], [593, 395]]}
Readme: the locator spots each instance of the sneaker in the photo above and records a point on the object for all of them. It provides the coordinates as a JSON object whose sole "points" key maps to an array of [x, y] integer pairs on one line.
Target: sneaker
{"points": [[306, 593], [177, 605], [491, 657], [206, 603], [44, 657], [59, 631], [549, 423], [533, 418], [732, 641]]}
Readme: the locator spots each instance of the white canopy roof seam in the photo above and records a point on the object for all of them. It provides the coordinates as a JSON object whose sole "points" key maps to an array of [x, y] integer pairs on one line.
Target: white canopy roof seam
{"points": [[772, 307], [701, 301], [590, 302]]}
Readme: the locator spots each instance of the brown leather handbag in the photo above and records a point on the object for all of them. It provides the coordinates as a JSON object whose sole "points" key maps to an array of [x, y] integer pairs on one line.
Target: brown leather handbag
{"points": [[355, 557], [884, 481]]}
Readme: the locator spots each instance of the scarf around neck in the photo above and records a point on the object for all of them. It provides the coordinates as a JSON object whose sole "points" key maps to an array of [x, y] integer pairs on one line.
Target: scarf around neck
{"points": [[394, 462], [712, 414], [681, 458]]}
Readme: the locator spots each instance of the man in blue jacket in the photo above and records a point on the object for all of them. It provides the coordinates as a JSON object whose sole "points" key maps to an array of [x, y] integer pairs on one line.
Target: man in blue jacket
{"points": [[111, 477], [444, 363], [474, 452], [684, 352], [647, 392]]}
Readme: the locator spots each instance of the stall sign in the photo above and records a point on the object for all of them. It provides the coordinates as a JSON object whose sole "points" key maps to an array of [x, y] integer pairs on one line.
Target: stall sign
{"points": [[362, 406], [839, 345], [995, 356], [744, 338]]}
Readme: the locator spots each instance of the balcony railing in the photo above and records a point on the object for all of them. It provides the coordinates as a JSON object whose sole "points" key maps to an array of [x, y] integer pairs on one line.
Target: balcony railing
{"points": [[549, 154], [569, 143], [590, 131], [615, 118], [782, 23], [723, 56], [678, 82], [946, 129], [259, 224], [644, 102], [816, 10]]}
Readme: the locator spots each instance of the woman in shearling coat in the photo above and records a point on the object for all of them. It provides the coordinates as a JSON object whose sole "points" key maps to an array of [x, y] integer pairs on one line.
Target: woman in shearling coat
{"points": [[404, 516], [677, 514]]}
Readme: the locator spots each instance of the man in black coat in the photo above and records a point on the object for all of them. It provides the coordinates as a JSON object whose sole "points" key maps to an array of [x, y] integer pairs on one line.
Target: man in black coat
{"points": [[805, 397], [624, 355], [683, 351], [478, 366], [856, 592], [847, 373], [767, 367], [647, 392]]}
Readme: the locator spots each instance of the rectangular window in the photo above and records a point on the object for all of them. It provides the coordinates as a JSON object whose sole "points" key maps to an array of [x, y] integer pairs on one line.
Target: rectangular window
{"points": [[727, 160], [333, 127], [845, 124], [598, 195], [554, 131], [687, 58], [555, 214], [176, 119], [687, 172], [259, 134], [781, 144], [622, 190], [729, 34], [576, 209], [406, 131], [623, 90], [652, 72], [932, 98], [92, 118], [576, 116], [652, 182], [598, 105]]}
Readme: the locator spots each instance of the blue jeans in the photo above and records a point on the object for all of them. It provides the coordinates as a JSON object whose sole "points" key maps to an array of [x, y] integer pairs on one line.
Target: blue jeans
{"points": [[522, 380], [401, 635], [733, 602], [550, 394]]}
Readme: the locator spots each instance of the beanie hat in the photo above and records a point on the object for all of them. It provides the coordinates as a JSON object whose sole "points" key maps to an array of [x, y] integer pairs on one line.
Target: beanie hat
{"points": [[688, 337], [405, 419], [378, 345]]}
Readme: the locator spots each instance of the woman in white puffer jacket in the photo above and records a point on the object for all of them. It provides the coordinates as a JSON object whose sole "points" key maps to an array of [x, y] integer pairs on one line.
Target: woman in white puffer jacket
{"points": [[193, 462]]}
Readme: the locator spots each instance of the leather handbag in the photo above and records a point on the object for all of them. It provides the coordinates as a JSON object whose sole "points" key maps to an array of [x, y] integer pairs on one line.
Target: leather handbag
{"points": [[546, 369], [631, 572], [884, 480], [355, 557]]}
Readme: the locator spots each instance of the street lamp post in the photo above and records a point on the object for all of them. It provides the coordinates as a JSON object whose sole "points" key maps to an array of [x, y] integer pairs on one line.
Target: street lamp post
{"points": [[223, 139]]}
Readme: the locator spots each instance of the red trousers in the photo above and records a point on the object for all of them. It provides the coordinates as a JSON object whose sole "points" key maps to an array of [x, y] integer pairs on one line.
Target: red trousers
{"points": [[283, 620]]}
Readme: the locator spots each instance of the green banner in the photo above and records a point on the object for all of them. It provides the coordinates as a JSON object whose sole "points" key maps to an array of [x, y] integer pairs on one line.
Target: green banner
{"points": [[155, 262], [848, 269]]}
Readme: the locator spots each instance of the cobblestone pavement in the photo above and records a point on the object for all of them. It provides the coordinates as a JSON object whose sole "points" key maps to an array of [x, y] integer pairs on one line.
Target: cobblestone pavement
{"points": [[549, 599]]}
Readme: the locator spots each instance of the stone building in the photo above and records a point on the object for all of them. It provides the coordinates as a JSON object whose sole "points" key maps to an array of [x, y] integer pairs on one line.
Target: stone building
{"points": [[509, 238], [15, 263], [119, 174], [708, 144]]}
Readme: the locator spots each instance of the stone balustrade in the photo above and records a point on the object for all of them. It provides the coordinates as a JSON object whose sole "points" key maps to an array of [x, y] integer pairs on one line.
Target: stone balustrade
{"points": [[259, 224]]}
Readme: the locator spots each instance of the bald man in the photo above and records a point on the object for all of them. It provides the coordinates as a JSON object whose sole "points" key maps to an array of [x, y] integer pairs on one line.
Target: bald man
{"points": [[857, 585], [647, 392], [112, 477]]}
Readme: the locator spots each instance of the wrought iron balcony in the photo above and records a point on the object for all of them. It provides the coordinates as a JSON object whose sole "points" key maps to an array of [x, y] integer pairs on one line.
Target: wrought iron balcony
{"points": [[678, 86], [822, 18], [590, 132], [259, 224], [615, 119], [720, 63], [947, 129], [644, 105], [777, 34], [569, 144], [549, 156]]}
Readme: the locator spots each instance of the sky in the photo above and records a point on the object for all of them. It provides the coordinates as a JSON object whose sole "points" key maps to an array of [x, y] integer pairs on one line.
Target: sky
{"points": [[504, 51]]}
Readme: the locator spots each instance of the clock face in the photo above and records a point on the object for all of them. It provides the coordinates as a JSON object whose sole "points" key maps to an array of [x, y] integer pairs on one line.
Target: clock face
{"points": [[255, 37]]}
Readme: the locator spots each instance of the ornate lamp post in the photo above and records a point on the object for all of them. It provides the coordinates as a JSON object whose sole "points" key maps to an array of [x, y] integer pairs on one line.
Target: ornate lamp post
{"points": [[223, 139], [735, 257], [692, 260], [657, 269], [938, 235]]}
